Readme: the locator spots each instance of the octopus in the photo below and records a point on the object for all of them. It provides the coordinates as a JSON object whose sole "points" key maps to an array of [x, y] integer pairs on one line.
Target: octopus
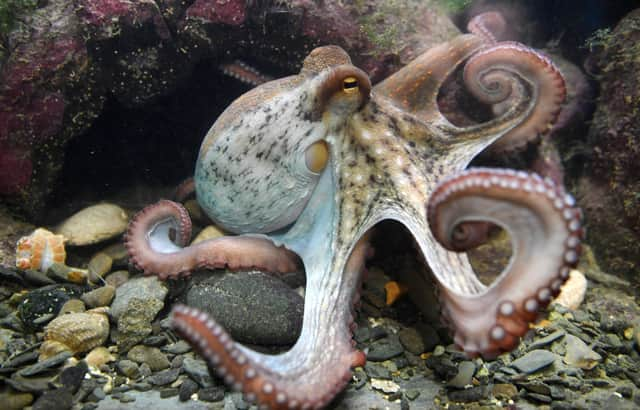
{"points": [[302, 168]]}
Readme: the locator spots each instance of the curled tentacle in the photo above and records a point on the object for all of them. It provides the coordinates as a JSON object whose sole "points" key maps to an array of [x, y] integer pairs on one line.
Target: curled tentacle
{"points": [[152, 249], [509, 71], [490, 26], [312, 372], [545, 229]]}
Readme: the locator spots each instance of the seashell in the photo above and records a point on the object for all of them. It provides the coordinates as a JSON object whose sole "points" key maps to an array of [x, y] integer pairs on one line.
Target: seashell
{"points": [[573, 291], [209, 232], [94, 224], [75, 332], [40, 250]]}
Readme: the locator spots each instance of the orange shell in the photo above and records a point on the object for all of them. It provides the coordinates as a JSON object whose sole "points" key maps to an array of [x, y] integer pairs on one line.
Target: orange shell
{"points": [[40, 250]]}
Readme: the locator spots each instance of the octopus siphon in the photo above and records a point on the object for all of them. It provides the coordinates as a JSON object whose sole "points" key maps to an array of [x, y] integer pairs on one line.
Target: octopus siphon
{"points": [[303, 167]]}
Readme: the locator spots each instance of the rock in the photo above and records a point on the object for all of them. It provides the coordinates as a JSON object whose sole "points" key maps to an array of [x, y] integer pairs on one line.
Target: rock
{"points": [[58, 399], [117, 278], [44, 365], [198, 371], [579, 354], [608, 193], [94, 224], [377, 371], [128, 368], [72, 306], [466, 370], [411, 340], [276, 310], [152, 356], [15, 401], [187, 389], [164, 377], [135, 325], [144, 288], [385, 386], [213, 393], [385, 349], [534, 361], [99, 265], [179, 347], [209, 232], [99, 297], [504, 391], [45, 300], [71, 377], [547, 340]]}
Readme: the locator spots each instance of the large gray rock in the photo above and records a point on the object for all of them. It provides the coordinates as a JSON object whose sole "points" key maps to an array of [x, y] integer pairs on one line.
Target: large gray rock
{"points": [[254, 307]]}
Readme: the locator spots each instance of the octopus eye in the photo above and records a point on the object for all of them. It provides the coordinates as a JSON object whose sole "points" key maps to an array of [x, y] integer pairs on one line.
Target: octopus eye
{"points": [[316, 156], [350, 85]]}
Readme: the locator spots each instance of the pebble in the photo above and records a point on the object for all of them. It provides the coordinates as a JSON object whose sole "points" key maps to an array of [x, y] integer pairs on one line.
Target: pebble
{"points": [[135, 324], [15, 400], [580, 355], [71, 377], [45, 365], [385, 349], [101, 296], [465, 374], [198, 371], [72, 306], [411, 340], [128, 368], [145, 288], [547, 340], [534, 361], [385, 386], [179, 347], [504, 391], [376, 370], [93, 224], [47, 300], [99, 356], [152, 356], [99, 265], [212, 393], [468, 395], [187, 389], [168, 392], [57, 399], [117, 278], [164, 377]]}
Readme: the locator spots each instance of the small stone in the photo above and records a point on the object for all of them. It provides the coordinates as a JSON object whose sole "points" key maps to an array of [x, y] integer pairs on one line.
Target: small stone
{"points": [[412, 394], [580, 355], [135, 325], [411, 340], [376, 370], [539, 397], [99, 265], [128, 368], [58, 399], [504, 391], [99, 297], [187, 389], [72, 306], [534, 361], [169, 392], [71, 377], [15, 401], [468, 395], [164, 377], [152, 356], [117, 278], [465, 375], [45, 365], [385, 386], [547, 340], [145, 288], [179, 347], [385, 349], [198, 371], [210, 394]]}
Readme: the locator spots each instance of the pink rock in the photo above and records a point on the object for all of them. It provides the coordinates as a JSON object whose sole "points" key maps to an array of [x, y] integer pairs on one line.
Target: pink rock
{"points": [[231, 12]]}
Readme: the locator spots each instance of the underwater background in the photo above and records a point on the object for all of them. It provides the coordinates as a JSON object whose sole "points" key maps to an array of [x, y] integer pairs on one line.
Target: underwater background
{"points": [[104, 105]]}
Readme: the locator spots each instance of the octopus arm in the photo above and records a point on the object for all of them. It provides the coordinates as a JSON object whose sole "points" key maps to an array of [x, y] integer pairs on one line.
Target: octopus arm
{"points": [[310, 374], [507, 74], [158, 235], [545, 229]]}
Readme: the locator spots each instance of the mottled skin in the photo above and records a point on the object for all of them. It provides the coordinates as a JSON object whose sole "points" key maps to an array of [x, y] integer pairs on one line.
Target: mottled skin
{"points": [[391, 155]]}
